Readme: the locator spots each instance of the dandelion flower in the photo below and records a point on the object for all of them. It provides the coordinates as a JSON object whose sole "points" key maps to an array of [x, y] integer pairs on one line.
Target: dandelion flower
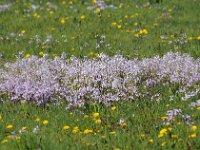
{"points": [[95, 115], [135, 23], [162, 133], [82, 17], [151, 141], [86, 116], [23, 31], [174, 136], [98, 10], [4, 141], [65, 127], [75, 129], [114, 23], [98, 121], [119, 26], [10, 126], [62, 21], [113, 107], [112, 132], [164, 117], [41, 54], [86, 131], [193, 128], [27, 55], [37, 119], [45, 122], [144, 31], [163, 143], [192, 136]]}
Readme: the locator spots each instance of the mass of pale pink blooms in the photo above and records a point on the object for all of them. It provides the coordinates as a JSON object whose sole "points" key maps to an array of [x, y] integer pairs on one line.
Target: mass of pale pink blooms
{"points": [[102, 79]]}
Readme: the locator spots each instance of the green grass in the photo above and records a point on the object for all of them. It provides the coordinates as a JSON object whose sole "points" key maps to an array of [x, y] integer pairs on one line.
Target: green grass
{"points": [[143, 122], [170, 18], [176, 20]]}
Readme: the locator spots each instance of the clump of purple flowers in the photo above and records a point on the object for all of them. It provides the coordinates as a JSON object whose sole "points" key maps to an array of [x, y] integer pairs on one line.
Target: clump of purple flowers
{"points": [[174, 113], [102, 5], [101, 79]]}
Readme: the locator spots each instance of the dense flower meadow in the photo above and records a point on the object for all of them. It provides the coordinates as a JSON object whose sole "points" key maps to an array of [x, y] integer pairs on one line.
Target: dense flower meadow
{"points": [[102, 79]]}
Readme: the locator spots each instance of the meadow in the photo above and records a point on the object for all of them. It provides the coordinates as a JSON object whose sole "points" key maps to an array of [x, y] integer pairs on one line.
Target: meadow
{"points": [[99, 74]]}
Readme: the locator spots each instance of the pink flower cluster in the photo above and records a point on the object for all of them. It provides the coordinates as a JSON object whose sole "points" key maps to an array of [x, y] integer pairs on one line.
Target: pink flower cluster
{"points": [[102, 79]]}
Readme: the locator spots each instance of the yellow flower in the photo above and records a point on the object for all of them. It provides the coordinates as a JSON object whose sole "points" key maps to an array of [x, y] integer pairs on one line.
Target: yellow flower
{"points": [[169, 129], [95, 115], [10, 126], [123, 124], [162, 133], [9, 137], [136, 35], [144, 31], [17, 138], [62, 21], [190, 38], [82, 17], [113, 107], [164, 117], [0, 117], [163, 143], [114, 23], [198, 108], [120, 20], [112, 132], [23, 31], [52, 28], [174, 136], [51, 12], [24, 128], [126, 16], [135, 23], [75, 129], [142, 135], [86, 131], [37, 119], [27, 55], [170, 10], [4, 141], [119, 26], [193, 128], [98, 10], [155, 24], [45, 122], [192, 136], [41, 53], [65, 127], [63, 3], [198, 38], [86, 116], [43, 46], [98, 121], [151, 141]]}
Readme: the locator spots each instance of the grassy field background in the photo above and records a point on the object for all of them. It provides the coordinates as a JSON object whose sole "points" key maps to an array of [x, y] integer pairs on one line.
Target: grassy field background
{"points": [[132, 28]]}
